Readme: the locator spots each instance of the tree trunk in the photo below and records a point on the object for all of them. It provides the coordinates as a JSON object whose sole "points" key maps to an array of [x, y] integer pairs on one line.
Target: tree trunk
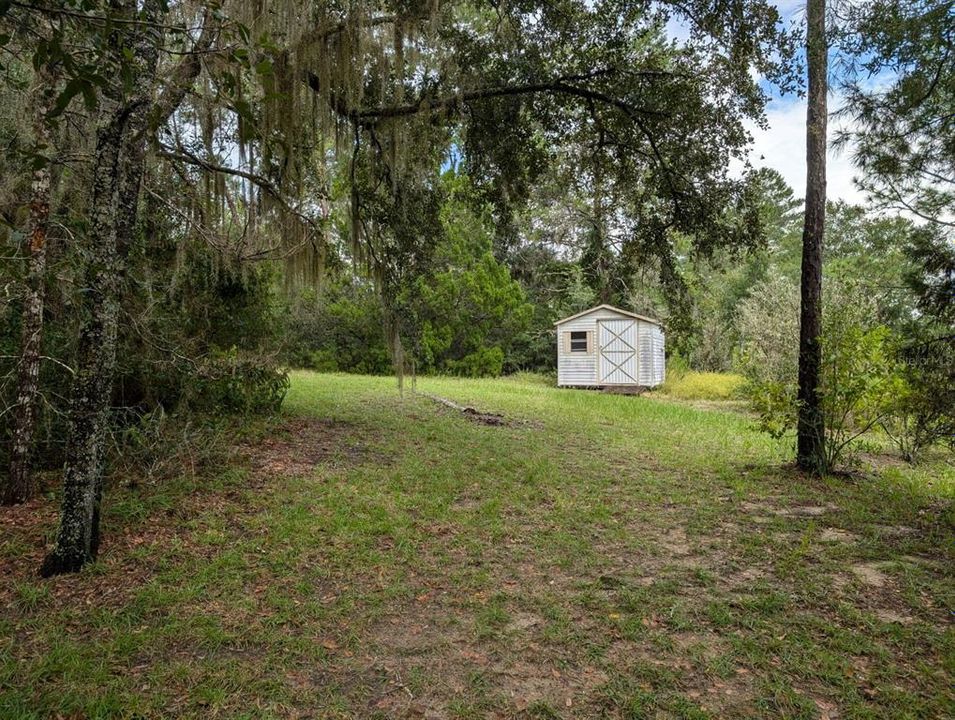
{"points": [[599, 263], [92, 385], [600, 235], [811, 450], [20, 486], [118, 172]]}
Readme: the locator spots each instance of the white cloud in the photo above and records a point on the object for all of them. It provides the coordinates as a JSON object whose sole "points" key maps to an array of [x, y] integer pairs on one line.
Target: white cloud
{"points": [[783, 147]]}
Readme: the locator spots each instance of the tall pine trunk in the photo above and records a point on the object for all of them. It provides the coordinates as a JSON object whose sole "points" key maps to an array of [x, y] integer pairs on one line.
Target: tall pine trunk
{"points": [[20, 486], [810, 444]]}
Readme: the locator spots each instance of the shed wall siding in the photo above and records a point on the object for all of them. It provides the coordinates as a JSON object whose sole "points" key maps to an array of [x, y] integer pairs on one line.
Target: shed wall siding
{"points": [[659, 354], [646, 355], [577, 368]]}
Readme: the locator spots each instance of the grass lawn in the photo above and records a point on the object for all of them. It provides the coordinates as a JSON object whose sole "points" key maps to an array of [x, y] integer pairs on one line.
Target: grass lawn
{"points": [[596, 556]]}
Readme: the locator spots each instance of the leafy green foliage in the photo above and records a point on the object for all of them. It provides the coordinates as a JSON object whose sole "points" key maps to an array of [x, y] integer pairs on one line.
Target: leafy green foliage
{"points": [[904, 126], [337, 328], [921, 408], [859, 379], [228, 383], [464, 314], [555, 288], [930, 276], [460, 312]]}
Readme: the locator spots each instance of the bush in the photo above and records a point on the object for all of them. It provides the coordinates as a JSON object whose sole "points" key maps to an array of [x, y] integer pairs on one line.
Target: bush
{"points": [[485, 362], [228, 383], [464, 312], [158, 446], [920, 409], [858, 372], [857, 381], [677, 366], [337, 329], [321, 361], [769, 328]]}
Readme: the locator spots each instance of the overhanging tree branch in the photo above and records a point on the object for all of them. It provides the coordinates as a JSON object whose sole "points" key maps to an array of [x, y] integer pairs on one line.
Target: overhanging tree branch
{"points": [[558, 86], [260, 181]]}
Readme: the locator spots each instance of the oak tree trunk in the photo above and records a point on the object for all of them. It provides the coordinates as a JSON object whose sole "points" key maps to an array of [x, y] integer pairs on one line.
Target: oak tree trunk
{"points": [[117, 174], [810, 444], [92, 384], [20, 486]]}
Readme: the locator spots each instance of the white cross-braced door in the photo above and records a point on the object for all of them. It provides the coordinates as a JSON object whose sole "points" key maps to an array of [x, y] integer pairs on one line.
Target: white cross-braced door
{"points": [[617, 352]]}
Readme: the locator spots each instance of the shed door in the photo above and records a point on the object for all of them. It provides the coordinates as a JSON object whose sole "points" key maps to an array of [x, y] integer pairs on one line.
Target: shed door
{"points": [[617, 352]]}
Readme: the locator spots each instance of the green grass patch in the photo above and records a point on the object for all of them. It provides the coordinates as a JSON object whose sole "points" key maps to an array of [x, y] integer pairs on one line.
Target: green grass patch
{"points": [[693, 385], [372, 555]]}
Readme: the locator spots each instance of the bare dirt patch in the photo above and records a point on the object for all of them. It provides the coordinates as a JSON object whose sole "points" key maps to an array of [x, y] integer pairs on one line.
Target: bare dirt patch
{"points": [[524, 685], [871, 574], [675, 542], [522, 622], [743, 578], [780, 507], [807, 511], [299, 445], [722, 696], [707, 644], [888, 615], [837, 535], [725, 696], [896, 531], [827, 709]]}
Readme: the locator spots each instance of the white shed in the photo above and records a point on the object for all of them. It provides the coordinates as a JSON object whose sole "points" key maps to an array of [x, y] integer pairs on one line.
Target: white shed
{"points": [[606, 347]]}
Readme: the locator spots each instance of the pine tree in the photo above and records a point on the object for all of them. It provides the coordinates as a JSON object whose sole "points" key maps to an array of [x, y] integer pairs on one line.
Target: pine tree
{"points": [[810, 448]]}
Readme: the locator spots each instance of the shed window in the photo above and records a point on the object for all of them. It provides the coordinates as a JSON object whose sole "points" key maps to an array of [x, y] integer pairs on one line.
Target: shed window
{"points": [[578, 341]]}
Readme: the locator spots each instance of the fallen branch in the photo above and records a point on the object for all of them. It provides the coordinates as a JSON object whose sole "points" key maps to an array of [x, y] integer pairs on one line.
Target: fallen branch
{"points": [[472, 413]]}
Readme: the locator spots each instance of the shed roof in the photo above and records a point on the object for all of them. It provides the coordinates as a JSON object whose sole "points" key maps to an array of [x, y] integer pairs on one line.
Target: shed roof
{"points": [[614, 309]]}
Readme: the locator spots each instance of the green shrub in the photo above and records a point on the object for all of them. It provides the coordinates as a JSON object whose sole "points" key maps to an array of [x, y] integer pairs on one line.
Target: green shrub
{"points": [[858, 371], [339, 328], [677, 366], [485, 362], [464, 312], [160, 446], [228, 383], [857, 381], [321, 361], [920, 409]]}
